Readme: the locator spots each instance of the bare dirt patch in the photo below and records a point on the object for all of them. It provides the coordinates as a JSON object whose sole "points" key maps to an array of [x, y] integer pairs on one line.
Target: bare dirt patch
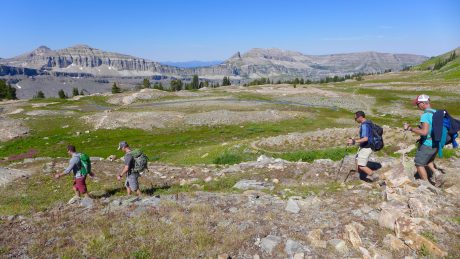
{"points": [[139, 120], [11, 129], [225, 117], [154, 119]]}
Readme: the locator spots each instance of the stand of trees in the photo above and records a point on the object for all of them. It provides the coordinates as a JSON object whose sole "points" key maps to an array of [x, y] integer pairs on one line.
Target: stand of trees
{"points": [[226, 81], [62, 94], [115, 89], [7, 91], [441, 63], [39, 95]]}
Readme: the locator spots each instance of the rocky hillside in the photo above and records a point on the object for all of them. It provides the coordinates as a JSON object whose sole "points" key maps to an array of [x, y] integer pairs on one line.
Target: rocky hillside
{"points": [[275, 62], [82, 59]]}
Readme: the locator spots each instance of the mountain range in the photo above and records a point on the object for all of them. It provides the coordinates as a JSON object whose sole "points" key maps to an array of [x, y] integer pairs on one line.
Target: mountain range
{"points": [[85, 61]]}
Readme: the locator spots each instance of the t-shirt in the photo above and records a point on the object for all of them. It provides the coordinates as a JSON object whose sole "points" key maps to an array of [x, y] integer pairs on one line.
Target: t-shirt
{"points": [[74, 166], [364, 132], [129, 161], [427, 117]]}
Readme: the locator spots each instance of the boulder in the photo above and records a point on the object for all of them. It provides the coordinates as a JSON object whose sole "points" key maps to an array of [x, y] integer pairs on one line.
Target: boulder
{"points": [[87, 202], [314, 237], [252, 184], [418, 209], [393, 243], [269, 242], [351, 235], [292, 206], [338, 245], [292, 247], [299, 256], [416, 242], [365, 253]]}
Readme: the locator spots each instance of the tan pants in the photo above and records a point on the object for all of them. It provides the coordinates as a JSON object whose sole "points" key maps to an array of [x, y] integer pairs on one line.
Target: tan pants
{"points": [[363, 156]]}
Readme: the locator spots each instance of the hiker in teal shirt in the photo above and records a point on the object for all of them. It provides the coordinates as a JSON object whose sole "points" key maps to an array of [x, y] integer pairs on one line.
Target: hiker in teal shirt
{"points": [[426, 152]]}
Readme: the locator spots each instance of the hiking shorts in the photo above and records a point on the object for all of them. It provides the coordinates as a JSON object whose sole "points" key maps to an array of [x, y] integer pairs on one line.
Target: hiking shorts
{"points": [[425, 155], [132, 181], [363, 156], [80, 184]]}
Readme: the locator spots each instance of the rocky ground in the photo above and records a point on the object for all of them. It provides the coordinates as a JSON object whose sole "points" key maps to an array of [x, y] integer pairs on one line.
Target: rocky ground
{"points": [[269, 208], [196, 206]]}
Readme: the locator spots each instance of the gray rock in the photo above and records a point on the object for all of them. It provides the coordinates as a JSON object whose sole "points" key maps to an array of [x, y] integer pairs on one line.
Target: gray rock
{"points": [[95, 158], [150, 201], [269, 242], [292, 247], [292, 206], [338, 245], [87, 202], [252, 185]]}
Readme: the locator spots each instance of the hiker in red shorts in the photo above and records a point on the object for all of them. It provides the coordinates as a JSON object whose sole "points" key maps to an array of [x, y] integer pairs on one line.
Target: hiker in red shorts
{"points": [[75, 165]]}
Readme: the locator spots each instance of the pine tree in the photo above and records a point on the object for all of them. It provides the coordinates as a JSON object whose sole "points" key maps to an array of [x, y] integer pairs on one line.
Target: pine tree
{"points": [[81, 92], [115, 88], [226, 81], [195, 82], [146, 83], [62, 94], [74, 91], [39, 95], [7, 91], [176, 85]]}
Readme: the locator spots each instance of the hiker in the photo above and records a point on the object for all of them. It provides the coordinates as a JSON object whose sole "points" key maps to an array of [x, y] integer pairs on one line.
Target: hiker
{"points": [[75, 166], [426, 151], [132, 181], [365, 150]]}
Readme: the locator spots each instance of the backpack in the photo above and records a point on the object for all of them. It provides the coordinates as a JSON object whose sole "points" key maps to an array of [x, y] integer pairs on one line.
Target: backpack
{"points": [[85, 162], [444, 130], [375, 138], [140, 161]]}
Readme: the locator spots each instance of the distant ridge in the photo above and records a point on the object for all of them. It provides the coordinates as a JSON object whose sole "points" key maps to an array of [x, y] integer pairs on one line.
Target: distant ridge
{"points": [[192, 63], [85, 60]]}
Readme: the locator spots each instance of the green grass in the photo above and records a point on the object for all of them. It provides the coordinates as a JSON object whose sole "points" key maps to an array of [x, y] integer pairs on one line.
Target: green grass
{"points": [[305, 190], [430, 236], [228, 158], [334, 154], [164, 145], [446, 153]]}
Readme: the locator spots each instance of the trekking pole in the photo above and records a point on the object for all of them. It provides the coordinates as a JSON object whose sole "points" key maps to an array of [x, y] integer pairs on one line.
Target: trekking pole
{"points": [[341, 163]]}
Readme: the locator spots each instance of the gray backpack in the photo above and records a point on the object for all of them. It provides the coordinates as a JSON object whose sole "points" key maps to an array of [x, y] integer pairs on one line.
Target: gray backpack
{"points": [[140, 161]]}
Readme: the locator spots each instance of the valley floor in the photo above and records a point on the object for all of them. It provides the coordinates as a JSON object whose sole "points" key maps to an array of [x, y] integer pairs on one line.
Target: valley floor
{"points": [[246, 172]]}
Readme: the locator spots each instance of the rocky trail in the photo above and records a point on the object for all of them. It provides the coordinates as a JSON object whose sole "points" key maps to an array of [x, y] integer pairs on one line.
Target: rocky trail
{"points": [[273, 209]]}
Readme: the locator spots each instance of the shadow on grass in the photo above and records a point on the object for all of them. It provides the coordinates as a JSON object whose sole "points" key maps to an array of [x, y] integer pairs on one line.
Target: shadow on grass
{"points": [[153, 190]]}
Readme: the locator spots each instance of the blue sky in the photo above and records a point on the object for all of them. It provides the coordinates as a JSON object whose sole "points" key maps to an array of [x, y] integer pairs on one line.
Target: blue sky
{"points": [[214, 30]]}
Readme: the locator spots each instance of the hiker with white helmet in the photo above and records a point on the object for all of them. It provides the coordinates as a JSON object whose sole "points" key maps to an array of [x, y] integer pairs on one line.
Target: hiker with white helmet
{"points": [[427, 150]]}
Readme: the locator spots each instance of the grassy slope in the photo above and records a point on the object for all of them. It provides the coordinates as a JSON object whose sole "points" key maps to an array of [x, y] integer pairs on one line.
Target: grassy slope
{"points": [[451, 71]]}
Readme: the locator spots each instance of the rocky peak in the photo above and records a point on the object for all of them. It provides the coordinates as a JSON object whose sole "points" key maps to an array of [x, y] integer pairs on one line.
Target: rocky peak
{"points": [[42, 50], [237, 55]]}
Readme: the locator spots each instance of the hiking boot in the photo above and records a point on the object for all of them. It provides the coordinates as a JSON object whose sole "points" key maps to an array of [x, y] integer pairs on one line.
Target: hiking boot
{"points": [[73, 200], [373, 177], [436, 178]]}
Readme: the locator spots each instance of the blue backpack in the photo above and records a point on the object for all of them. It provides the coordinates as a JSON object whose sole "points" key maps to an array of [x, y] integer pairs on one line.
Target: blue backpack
{"points": [[375, 138], [444, 130]]}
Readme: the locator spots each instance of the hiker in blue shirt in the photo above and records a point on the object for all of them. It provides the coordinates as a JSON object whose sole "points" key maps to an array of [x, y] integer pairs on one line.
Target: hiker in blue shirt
{"points": [[426, 152], [362, 157]]}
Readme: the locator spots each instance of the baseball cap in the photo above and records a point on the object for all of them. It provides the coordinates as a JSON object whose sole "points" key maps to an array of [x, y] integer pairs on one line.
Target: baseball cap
{"points": [[421, 98], [122, 144]]}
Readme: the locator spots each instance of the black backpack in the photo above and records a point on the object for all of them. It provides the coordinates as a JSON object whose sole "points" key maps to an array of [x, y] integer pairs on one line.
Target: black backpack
{"points": [[375, 138]]}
